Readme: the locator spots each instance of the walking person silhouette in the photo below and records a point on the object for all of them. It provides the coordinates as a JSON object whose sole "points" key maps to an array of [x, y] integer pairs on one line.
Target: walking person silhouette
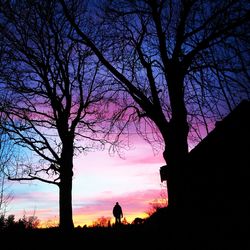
{"points": [[117, 212]]}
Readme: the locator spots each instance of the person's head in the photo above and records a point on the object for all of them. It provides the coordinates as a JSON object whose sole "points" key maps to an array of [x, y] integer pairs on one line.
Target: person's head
{"points": [[117, 203]]}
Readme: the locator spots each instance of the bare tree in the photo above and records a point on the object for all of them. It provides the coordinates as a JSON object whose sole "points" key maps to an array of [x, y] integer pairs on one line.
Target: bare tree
{"points": [[5, 193], [6, 152], [185, 64], [157, 203], [56, 97], [102, 222]]}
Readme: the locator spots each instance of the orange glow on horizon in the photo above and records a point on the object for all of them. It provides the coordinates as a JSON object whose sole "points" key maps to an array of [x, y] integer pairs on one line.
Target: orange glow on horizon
{"points": [[84, 220]]}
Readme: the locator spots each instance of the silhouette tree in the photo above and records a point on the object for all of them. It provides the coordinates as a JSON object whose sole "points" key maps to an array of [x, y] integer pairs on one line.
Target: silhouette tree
{"points": [[157, 203], [102, 222], [55, 95], [124, 221], [6, 152], [28, 222], [25, 223], [184, 64]]}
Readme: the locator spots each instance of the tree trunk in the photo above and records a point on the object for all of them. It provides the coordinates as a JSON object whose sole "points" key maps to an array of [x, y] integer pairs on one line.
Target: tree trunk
{"points": [[175, 155], [65, 190], [176, 149]]}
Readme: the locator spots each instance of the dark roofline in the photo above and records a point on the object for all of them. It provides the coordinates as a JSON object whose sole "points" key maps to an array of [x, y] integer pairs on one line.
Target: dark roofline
{"points": [[236, 116]]}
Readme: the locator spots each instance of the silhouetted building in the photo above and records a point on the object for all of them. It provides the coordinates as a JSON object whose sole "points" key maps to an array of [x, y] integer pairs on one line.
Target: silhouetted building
{"points": [[218, 168], [217, 174]]}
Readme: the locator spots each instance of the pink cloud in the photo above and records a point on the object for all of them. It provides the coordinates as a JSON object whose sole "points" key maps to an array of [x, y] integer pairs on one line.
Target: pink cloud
{"points": [[144, 159], [34, 196]]}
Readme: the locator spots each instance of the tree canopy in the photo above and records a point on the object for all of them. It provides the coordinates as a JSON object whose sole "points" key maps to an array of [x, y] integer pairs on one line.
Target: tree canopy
{"points": [[185, 64], [56, 98]]}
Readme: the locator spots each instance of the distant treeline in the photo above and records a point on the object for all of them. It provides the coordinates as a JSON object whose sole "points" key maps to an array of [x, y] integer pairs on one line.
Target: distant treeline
{"points": [[26, 222]]}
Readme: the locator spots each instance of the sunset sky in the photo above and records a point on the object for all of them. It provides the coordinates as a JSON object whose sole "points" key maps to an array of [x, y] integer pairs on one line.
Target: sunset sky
{"points": [[80, 75], [99, 181]]}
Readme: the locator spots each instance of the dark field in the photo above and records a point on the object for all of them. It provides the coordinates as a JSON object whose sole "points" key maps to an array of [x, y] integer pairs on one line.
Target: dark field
{"points": [[156, 233]]}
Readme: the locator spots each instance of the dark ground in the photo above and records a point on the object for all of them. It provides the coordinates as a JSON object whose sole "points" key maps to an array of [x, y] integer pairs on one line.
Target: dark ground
{"points": [[159, 232]]}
